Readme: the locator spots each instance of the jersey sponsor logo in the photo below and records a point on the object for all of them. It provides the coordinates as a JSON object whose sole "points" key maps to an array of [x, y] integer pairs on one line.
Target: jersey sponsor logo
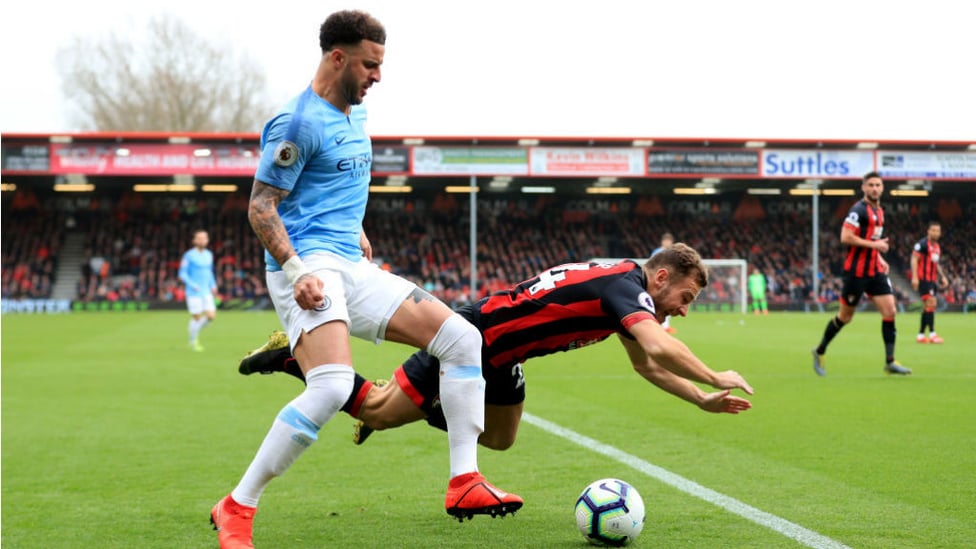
{"points": [[646, 302], [285, 154], [579, 343], [354, 163], [324, 306]]}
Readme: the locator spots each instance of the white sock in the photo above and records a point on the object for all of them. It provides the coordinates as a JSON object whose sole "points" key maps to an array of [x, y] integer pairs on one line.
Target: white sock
{"points": [[194, 329], [932, 334], [463, 400], [196, 326], [295, 429], [462, 388]]}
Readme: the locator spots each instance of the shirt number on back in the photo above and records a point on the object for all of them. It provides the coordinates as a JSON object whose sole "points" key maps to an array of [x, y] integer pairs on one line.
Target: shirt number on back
{"points": [[549, 278]]}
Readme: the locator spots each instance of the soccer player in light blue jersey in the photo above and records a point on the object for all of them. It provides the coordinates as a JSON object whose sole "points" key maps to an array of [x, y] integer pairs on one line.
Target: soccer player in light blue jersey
{"points": [[197, 274], [307, 206]]}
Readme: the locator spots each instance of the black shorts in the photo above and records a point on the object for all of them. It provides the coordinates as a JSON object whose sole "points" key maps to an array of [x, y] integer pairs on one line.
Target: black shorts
{"points": [[419, 378], [855, 287], [927, 288]]}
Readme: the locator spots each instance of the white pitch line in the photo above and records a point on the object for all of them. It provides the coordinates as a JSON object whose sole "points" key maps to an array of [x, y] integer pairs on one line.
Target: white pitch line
{"points": [[779, 525]]}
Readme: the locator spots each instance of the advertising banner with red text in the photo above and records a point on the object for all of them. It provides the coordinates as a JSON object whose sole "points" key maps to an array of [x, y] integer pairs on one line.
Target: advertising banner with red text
{"points": [[596, 162]]}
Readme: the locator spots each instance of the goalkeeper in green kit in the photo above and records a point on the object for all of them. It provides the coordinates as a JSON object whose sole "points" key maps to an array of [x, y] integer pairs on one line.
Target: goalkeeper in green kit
{"points": [[757, 291]]}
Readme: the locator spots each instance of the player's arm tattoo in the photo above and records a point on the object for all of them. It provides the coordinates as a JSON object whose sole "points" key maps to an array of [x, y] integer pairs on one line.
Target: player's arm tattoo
{"points": [[262, 213]]}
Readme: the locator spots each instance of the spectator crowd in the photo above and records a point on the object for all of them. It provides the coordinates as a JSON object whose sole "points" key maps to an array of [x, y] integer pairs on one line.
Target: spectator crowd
{"points": [[134, 242]]}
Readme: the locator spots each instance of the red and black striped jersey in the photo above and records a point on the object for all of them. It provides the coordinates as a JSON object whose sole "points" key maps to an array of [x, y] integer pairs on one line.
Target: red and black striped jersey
{"points": [[562, 308], [867, 222], [928, 259]]}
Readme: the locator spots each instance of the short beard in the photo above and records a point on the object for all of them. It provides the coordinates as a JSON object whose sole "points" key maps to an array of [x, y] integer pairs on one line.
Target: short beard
{"points": [[350, 90]]}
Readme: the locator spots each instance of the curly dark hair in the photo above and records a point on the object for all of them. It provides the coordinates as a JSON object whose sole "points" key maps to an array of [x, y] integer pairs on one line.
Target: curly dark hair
{"points": [[681, 260], [350, 27]]}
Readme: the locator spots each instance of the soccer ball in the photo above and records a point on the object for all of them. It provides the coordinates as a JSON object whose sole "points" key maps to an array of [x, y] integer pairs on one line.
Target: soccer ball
{"points": [[610, 512]]}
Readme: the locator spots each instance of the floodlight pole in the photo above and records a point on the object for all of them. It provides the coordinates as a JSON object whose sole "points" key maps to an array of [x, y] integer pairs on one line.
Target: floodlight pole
{"points": [[473, 238], [815, 237]]}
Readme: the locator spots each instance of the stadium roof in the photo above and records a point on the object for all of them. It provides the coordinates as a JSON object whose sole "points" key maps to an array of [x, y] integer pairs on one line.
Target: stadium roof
{"points": [[570, 165]]}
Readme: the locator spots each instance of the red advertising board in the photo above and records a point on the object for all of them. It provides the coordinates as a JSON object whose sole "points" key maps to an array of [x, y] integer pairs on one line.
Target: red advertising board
{"points": [[148, 159]]}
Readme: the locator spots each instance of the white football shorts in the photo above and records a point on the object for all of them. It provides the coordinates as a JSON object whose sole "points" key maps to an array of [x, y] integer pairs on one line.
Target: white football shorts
{"points": [[198, 304], [358, 293]]}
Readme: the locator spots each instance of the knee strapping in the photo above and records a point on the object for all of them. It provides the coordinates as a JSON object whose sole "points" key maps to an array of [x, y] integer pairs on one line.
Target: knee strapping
{"points": [[457, 344]]}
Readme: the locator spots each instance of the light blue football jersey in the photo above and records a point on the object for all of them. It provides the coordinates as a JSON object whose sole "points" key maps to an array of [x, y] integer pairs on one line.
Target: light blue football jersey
{"points": [[322, 158], [196, 272]]}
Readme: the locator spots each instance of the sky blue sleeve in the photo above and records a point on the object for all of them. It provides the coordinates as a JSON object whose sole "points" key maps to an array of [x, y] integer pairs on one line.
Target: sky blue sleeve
{"points": [[184, 273], [287, 146]]}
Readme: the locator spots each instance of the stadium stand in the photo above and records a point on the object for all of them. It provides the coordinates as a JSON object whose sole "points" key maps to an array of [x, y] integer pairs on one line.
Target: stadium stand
{"points": [[133, 242], [32, 240]]}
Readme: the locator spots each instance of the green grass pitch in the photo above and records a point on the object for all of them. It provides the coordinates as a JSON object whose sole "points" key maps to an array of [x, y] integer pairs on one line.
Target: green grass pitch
{"points": [[116, 435]]}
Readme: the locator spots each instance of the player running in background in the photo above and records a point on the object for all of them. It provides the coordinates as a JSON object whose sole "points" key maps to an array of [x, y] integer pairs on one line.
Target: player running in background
{"points": [[307, 206], [927, 276], [865, 271], [667, 239], [757, 291], [561, 309], [197, 274]]}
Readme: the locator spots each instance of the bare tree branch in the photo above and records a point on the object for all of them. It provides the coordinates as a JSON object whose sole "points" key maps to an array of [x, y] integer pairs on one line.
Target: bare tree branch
{"points": [[174, 80]]}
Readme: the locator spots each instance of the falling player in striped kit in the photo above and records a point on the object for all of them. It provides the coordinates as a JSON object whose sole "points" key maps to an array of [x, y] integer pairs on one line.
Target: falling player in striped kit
{"points": [[560, 309], [927, 277], [865, 271]]}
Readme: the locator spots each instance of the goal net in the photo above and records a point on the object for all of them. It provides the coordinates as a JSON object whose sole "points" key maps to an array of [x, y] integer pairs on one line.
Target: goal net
{"points": [[726, 289]]}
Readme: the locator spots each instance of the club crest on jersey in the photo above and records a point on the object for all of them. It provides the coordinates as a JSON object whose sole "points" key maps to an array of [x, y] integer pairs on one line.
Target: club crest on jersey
{"points": [[326, 303], [646, 302], [286, 154]]}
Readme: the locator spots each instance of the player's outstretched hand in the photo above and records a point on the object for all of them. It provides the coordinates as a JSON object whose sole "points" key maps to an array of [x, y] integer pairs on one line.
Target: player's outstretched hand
{"points": [[308, 291], [721, 402], [730, 379]]}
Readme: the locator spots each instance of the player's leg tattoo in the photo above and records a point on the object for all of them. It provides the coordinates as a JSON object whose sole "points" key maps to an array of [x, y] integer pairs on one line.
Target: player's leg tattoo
{"points": [[419, 294]]}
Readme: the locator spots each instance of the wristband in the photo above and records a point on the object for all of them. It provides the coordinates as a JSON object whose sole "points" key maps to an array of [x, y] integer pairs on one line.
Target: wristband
{"points": [[294, 269]]}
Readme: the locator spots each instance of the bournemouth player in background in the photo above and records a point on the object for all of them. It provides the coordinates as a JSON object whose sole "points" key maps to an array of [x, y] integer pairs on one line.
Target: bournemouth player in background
{"points": [[865, 271], [927, 276]]}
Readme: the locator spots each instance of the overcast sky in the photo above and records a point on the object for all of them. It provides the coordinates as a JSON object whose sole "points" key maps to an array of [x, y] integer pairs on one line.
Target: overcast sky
{"points": [[832, 69]]}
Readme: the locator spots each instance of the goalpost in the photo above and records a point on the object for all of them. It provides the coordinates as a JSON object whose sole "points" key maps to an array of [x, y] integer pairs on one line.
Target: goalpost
{"points": [[726, 289], [735, 273]]}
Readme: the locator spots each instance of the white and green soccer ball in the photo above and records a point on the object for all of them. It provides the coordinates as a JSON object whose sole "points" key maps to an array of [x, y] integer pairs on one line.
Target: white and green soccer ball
{"points": [[610, 512]]}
